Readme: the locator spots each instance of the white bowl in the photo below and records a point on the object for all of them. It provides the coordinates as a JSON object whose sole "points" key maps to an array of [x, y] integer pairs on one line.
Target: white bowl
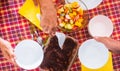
{"points": [[93, 54], [29, 54], [100, 25]]}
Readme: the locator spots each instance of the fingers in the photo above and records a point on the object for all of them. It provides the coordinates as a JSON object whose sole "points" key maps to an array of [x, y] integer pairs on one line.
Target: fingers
{"points": [[49, 30], [45, 28], [53, 30], [10, 57], [13, 62], [101, 39]]}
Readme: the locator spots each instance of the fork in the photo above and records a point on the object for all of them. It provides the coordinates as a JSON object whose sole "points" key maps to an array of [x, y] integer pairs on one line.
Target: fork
{"points": [[33, 31], [39, 39]]}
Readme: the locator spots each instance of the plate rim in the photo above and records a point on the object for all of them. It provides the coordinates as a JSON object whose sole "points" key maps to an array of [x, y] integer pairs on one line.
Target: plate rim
{"points": [[80, 55], [107, 18], [34, 65]]}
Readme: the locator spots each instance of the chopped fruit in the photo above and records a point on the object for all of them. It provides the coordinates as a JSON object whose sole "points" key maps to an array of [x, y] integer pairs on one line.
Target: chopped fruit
{"points": [[74, 13], [68, 26], [62, 24], [75, 5], [80, 11], [78, 23], [71, 22], [67, 5], [61, 10], [75, 28], [70, 16], [67, 16]]}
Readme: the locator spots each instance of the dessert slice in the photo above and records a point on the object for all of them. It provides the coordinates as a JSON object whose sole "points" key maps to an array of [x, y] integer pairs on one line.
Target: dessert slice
{"points": [[57, 58]]}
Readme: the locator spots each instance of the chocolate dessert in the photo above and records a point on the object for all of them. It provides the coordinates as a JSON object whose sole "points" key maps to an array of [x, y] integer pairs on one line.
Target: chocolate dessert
{"points": [[57, 59]]}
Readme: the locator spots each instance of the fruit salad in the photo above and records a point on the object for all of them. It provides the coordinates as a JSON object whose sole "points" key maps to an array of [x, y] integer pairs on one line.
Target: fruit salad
{"points": [[70, 16]]}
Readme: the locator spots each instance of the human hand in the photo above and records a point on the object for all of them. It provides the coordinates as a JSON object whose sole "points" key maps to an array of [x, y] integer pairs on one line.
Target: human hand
{"points": [[48, 15], [49, 21], [7, 51], [111, 44]]}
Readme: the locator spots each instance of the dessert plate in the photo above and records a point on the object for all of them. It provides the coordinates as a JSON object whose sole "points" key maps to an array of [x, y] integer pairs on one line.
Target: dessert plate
{"points": [[29, 54], [100, 25], [93, 54]]}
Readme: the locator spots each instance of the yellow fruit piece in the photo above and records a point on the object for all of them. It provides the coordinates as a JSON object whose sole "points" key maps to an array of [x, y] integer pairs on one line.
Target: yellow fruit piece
{"points": [[62, 24], [80, 11], [68, 26], [60, 10], [67, 6], [74, 13], [74, 4], [79, 22], [62, 18], [71, 15], [71, 21]]}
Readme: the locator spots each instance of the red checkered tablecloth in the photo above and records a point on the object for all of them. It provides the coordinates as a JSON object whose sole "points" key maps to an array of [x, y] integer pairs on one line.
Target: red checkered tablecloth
{"points": [[14, 28]]}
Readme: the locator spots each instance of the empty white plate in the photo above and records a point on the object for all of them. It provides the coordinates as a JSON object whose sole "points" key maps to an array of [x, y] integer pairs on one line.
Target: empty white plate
{"points": [[100, 25], [29, 54], [90, 4], [93, 54]]}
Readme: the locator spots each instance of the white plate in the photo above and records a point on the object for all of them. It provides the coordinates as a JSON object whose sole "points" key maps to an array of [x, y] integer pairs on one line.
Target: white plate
{"points": [[93, 54], [100, 25], [29, 54], [90, 4]]}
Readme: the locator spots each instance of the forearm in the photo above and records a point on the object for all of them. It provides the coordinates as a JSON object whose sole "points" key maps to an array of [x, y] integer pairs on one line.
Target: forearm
{"points": [[117, 45], [48, 15], [46, 5], [113, 45]]}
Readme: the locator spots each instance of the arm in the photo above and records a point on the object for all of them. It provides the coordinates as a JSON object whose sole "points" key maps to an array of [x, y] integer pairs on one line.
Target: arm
{"points": [[7, 50], [111, 44], [49, 15]]}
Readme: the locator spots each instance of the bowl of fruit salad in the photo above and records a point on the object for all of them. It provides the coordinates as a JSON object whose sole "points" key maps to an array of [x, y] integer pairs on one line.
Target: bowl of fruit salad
{"points": [[72, 17]]}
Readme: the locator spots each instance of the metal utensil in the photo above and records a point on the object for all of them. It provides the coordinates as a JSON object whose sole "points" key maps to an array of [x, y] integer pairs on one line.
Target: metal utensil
{"points": [[34, 32]]}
